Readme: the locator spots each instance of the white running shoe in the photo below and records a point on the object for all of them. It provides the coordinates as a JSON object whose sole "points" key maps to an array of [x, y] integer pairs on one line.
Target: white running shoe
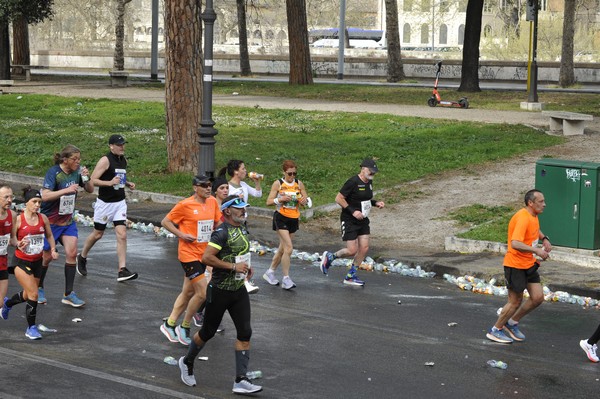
{"points": [[251, 288], [590, 350], [187, 373], [287, 283], [245, 387], [269, 277]]}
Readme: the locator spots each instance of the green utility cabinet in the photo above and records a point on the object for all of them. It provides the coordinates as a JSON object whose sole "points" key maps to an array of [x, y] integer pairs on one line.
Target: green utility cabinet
{"points": [[572, 193]]}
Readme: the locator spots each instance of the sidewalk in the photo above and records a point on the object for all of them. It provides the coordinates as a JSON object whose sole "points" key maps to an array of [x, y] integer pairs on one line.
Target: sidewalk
{"points": [[563, 276]]}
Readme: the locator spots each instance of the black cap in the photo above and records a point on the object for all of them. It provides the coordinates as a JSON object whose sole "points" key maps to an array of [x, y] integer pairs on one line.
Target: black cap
{"points": [[369, 163], [199, 179], [116, 139], [31, 193]]}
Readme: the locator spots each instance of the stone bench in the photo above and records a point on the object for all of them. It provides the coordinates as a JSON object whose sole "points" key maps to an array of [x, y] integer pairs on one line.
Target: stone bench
{"points": [[570, 123], [7, 82]]}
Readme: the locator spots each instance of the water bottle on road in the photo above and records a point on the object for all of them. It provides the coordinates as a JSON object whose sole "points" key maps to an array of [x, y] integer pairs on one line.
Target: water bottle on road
{"points": [[499, 364]]}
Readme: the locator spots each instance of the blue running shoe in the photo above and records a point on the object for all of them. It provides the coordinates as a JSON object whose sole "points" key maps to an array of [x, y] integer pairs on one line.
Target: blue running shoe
{"points": [[498, 336], [326, 260], [353, 280], [72, 300], [514, 332], [33, 333], [41, 296], [183, 335], [5, 309]]}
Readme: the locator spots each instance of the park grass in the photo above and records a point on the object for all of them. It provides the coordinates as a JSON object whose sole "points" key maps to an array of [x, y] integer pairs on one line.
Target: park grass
{"points": [[481, 222], [328, 146]]}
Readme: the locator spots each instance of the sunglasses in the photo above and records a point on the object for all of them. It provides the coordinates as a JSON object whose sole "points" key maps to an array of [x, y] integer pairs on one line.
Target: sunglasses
{"points": [[204, 185], [291, 173]]}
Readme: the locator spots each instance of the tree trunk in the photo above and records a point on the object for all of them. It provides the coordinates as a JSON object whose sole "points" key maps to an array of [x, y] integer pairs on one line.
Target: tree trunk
{"points": [[119, 57], [469, 74], [395, 69], [4, 51], [244, 56], [21, 55], [183, 83], [300, 68], [567, 75]]}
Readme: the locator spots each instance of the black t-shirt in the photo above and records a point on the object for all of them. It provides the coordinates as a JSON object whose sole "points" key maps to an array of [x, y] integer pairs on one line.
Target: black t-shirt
{"points": [[231, 241], [358, 195]]}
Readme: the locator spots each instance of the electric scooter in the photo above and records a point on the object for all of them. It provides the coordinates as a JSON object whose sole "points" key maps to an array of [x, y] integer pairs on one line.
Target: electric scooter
{"points": [[436, 99]]}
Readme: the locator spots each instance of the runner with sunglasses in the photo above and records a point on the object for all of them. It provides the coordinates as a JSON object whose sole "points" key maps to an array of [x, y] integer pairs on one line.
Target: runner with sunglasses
{"points": [[192, 221], [287, 194], [228, 254]]}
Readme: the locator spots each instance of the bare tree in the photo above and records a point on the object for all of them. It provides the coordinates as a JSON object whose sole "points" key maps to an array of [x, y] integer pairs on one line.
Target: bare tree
{"points": [[300, 68], [469, 75], [243, 36], [183, 83], [567, 74], [119, 58], [395, 69]]}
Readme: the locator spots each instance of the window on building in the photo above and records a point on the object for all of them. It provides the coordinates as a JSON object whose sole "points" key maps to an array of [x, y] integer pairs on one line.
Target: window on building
{"points": [[444, 6], [408, 5], [257, 34], [489, 6], [426, 5], [461, 34], [443, 34], [487, 31], [406, 33], [462, 5], [424, 33], [270, 35]]}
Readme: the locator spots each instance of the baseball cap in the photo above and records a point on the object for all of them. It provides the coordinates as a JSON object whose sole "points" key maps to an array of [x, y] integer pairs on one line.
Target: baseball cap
{"points": [[369, 163], [233, 201], [116, 139], [200, 179]]}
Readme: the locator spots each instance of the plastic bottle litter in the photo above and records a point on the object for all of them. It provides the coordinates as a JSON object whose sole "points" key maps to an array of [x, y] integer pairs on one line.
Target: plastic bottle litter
{"points": [[170, 360], [252, 375], [43, 328], [499, 364]]}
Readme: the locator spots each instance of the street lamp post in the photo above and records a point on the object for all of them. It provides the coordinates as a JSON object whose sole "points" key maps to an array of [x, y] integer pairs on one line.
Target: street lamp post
{"points": [[207, 132], [533, 94]]}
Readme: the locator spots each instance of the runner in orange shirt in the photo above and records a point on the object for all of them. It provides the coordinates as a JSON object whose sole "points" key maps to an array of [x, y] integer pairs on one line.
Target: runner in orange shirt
{"points": [[192, 221], [520, 268]]}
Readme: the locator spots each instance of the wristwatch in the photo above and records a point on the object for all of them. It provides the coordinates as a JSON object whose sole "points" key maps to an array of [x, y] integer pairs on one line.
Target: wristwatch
{"points": [[546, 238]]}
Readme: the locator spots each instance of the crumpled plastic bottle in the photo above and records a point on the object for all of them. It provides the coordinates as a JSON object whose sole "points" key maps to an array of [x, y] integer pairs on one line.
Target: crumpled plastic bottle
{"points": [[499, 364]]}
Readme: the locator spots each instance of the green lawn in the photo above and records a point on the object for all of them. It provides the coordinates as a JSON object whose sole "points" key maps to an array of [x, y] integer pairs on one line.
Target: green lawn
{"points": [[328, 146]]}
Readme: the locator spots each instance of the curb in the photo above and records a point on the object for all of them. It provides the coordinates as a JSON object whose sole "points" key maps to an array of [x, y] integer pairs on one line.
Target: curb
{"points": [[580, 257]]}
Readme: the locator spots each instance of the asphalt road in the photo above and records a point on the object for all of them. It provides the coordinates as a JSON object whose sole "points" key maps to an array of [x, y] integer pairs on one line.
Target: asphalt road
{"points": [[320, 340]]}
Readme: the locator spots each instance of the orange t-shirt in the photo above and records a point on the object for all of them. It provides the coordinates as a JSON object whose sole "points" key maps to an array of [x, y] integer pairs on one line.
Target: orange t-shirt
{"points": [[198, 220], [525, 228]]}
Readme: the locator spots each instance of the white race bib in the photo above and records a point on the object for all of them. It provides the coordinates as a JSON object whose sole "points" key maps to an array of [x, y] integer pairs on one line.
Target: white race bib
{"points": [[4, 244], [204, 230], [365, 208], [66, 204], [36, 244], [239, 259]]}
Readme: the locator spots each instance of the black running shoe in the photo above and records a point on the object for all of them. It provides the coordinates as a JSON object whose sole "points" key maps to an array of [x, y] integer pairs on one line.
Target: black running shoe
{"points": [[125, 275], [81, 265]]}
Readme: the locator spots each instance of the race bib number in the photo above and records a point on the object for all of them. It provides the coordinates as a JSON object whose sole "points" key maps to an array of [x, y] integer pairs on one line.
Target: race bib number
{"points": [[122, 173], [4, 244], [36, 244], [365, 208], [239, 259], [293, 202], [66, 204], [204, 230]]}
